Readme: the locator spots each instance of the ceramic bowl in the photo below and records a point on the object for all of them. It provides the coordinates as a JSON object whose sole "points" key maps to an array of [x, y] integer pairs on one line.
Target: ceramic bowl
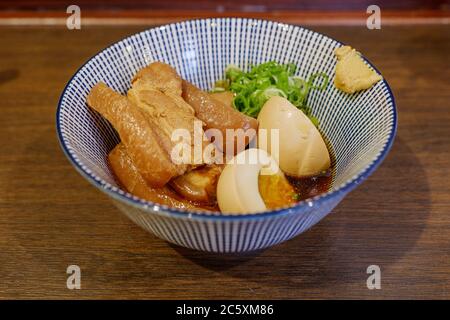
{"points": [[359, 127]]}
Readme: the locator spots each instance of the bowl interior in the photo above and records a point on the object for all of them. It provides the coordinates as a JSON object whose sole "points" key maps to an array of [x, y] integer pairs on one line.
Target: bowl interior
{"points": [[359, 127]]}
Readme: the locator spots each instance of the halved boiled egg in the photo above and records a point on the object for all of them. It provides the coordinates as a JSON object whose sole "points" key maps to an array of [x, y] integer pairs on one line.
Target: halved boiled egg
{"points": [[240, 183], [300, 149]]}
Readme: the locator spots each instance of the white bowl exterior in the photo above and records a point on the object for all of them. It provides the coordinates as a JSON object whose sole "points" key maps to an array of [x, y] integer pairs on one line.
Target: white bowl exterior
{"points": [[359, 127]]}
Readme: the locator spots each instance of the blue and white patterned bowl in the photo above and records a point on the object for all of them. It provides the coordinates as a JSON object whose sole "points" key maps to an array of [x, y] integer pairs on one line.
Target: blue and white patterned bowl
{"points": [[360, 127]]}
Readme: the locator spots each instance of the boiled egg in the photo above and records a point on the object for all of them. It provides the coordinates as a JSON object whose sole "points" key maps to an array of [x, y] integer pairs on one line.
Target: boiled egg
{"points": [[237, 188], [299, 148]]}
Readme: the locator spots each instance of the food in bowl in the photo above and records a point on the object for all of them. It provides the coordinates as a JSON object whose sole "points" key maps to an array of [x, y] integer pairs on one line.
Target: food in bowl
{"points": [[200, 50], [250, 145]]}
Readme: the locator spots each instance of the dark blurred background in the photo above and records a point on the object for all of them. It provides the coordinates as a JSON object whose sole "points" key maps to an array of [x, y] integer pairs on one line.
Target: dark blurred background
{"points": [[227, 5], [200, 8]]}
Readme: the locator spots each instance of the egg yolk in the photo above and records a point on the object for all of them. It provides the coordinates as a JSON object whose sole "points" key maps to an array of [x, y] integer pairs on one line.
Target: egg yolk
{"points": [[276, 191]]}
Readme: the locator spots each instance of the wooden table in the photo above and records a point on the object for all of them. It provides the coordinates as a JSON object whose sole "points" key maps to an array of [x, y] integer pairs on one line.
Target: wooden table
{"points": [[50, 217]]}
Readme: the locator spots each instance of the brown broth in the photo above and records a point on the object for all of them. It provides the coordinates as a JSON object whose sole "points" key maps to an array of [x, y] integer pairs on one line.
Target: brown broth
{"points": [[311, 186]]}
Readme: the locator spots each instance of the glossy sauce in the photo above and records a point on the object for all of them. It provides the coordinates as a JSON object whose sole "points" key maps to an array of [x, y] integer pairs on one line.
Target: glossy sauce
{"points": [[311, 186]]}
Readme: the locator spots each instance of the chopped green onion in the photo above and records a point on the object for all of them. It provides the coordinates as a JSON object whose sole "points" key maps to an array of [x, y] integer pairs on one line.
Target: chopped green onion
{"points": [[252, 89]]}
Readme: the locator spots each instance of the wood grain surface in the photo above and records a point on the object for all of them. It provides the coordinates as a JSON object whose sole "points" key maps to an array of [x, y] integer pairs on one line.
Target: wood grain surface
{"points": [[50, 217]]}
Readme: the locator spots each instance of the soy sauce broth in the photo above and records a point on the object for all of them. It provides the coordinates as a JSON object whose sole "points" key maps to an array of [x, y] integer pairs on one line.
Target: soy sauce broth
{"points": [[311, 186]]}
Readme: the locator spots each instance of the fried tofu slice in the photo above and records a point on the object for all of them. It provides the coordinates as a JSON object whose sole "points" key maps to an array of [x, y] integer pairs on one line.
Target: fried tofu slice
{"points": [[164, 116], [149, 157], [160, 76], [217, 115], [157, 92], [130, 178], [225, 97], [199, 185]]}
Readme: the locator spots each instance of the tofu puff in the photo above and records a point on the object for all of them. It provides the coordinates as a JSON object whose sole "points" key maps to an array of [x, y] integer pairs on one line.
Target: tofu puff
{"points": [[225, 97], [160, 76], [218, 115], [146, 120], [139, 138], [156, 90], [198, 187], [166, 114], [130, 178]]}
